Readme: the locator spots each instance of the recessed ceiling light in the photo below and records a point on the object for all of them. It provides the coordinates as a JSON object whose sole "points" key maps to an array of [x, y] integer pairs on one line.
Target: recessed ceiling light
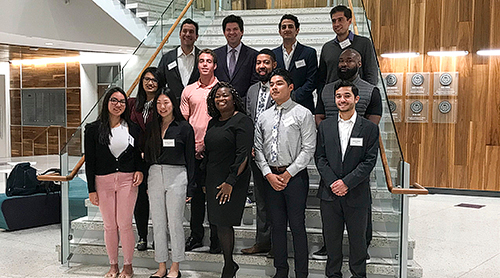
{"points": [[489, 52], [400, 55], [448, 53]]}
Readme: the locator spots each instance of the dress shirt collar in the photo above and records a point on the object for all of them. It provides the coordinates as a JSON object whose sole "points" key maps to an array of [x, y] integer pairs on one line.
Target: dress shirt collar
{"points": [[180, 53], [352, 119], [238, 49], [287, 104], [265, 85], [294, 45], [350, 37], [209, 86]]}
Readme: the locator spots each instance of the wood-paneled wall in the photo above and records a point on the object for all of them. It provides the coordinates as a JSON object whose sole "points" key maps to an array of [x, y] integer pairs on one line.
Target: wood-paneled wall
{"points": [[465, 155], [35, 140]]}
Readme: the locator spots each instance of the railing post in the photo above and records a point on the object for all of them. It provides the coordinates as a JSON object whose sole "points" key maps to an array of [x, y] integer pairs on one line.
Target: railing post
{"points": [[65, 236], [403, 252]]}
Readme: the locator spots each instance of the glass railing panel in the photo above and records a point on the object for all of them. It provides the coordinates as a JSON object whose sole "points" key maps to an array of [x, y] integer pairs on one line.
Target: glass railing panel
{"points": [[82, 228]]}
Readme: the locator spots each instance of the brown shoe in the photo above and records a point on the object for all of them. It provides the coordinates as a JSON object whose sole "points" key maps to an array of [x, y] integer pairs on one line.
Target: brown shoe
{"points": [[255, 249]]}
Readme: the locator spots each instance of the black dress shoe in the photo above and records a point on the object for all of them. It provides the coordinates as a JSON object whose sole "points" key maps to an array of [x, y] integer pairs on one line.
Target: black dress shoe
{"points": [[320, 254], [191, 244], [231, 274], [142, 244]]}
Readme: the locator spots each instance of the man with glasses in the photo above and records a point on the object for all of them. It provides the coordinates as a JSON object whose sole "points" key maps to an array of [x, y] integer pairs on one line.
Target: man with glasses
{"points": [[178, 66], [341, 19]]}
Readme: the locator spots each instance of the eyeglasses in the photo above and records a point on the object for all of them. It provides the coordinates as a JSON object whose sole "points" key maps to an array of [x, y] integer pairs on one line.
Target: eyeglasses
{"points": [[147, 80], [115, 101]]}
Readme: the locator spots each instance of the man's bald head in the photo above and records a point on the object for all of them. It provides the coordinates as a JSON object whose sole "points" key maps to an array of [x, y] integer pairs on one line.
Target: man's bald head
{"points": [[353, 54]]}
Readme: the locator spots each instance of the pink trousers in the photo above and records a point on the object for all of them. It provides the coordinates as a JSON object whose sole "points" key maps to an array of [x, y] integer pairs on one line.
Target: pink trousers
{"points": [[117, 199]]}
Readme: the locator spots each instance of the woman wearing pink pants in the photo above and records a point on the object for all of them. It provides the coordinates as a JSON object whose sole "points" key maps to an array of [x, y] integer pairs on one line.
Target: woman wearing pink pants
{"points": [[113, 167]]}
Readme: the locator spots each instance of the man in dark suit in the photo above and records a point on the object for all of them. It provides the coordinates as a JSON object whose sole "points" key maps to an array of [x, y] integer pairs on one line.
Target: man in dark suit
{"points": [[346, 152], [258, 100], [178, 67], [236, 61], [300, 60]]}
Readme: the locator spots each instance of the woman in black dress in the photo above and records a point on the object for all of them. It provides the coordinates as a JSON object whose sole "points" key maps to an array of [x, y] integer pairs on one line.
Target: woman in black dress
{"points": [[228, 145]]}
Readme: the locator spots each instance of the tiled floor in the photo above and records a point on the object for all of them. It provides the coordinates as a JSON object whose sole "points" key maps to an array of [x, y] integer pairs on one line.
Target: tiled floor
{"points": [[451, 242]]}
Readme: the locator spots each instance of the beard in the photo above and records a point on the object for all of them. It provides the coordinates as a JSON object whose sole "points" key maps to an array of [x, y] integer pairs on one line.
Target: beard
{"points": [[347, 75], [265, 78]]}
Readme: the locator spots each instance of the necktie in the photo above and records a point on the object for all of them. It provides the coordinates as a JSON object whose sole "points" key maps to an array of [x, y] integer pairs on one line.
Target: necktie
{"points": [[232, 61], [275, 133], [261, 104]]}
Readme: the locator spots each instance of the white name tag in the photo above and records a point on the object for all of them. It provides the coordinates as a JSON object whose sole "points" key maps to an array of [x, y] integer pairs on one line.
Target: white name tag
{"points": [[300, 63], [289, 121], [172, 65], [356, 142], [345, 43], [131, 140], [169, 142]]}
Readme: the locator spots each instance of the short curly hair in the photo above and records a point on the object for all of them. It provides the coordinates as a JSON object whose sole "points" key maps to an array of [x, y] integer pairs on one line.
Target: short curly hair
{"points": [[238, 102]]}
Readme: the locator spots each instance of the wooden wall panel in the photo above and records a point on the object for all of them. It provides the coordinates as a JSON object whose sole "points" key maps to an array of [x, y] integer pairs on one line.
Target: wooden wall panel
{"points": [[15, 76], [33, 140], [44, 76], [466, 154]]}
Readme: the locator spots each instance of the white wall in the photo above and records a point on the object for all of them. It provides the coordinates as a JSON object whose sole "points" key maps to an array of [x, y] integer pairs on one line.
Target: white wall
{"points": [[88, 89], [78, 21], [5, 107]]}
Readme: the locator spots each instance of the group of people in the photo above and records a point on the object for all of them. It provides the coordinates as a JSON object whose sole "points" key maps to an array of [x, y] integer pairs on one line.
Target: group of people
{"points": [[205, 121]]}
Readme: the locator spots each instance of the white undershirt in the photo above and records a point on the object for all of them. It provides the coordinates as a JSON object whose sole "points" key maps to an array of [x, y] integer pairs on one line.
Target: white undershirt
{"points": [[287, 58], [186, 65], [118, 141], [345, 130]]}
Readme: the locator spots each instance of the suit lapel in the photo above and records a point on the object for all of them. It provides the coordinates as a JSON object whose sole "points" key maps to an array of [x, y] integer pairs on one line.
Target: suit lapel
{"points": [[295, 57], [279, 58], [222, 61], [193, 78], [241, 60], [356, 133], [176, 68]]}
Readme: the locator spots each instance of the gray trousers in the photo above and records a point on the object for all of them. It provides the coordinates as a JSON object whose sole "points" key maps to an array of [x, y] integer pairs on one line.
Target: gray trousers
{"points": [[167, 197]]}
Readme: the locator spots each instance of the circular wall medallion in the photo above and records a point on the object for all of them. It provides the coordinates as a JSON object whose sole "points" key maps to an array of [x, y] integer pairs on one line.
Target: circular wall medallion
{"points": [[445, 79], [444, 107], [392, 106], [416, 106], [417, 79], [391, 80]]}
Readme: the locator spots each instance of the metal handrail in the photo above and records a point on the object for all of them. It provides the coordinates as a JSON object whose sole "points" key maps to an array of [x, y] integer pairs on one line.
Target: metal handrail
{"points": [[57, 177]]}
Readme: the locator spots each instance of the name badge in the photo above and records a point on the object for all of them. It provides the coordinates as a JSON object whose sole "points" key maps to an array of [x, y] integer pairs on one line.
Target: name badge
{"points": [[172, 65], [356, 142], [169, 142], [289, 121], [300, 63], [345, 43], [130, 140]]}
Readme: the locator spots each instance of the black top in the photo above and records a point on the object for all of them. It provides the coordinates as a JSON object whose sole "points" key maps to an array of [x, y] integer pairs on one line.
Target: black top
{"points": [[373, 108], [100, 161], [228, 144], [178, 149]]}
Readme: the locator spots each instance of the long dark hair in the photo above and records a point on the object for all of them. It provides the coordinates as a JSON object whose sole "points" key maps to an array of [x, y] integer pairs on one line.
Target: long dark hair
{"points": [[154, 142], [141, 93], [104, 128], [238, 102]]}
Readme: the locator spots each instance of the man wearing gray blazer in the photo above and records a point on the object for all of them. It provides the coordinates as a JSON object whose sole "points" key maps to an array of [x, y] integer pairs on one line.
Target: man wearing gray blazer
{"points": [[258, 100]]}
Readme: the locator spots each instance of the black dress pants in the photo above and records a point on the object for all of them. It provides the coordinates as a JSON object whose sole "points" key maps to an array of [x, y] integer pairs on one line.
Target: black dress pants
{"points": [[334, 214], [141, 210], [263, 237], [288, 206], [198, 209]]}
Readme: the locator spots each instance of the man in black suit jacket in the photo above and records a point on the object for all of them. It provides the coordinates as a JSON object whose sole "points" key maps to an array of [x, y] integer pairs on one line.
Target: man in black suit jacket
{"points": [[300, 60], [346, 152], [239, 68], [178, 67]]}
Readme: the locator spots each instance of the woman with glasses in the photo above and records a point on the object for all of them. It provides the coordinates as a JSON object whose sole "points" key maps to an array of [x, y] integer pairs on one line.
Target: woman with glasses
{"points": [[113, 167], [228, 144], [170, 150], [141, 114]]}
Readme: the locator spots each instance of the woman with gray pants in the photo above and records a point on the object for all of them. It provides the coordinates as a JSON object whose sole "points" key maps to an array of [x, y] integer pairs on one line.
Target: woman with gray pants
{"points": [[170, 150]]}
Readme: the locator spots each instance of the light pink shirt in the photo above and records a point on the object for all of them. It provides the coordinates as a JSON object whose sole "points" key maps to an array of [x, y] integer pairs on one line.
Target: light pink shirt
{"points": [[194, 109]]}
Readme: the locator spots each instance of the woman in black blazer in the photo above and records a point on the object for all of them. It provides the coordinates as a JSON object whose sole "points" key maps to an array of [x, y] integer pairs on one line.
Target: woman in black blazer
{"points": [[113, 167]]}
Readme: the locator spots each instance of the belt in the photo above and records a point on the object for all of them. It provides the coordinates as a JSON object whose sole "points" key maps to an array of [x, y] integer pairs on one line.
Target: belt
{"points": [[278, 169]]}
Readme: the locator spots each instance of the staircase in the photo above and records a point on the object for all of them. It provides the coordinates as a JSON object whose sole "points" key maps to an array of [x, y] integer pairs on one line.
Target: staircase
{"points": [[261, 31]]}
